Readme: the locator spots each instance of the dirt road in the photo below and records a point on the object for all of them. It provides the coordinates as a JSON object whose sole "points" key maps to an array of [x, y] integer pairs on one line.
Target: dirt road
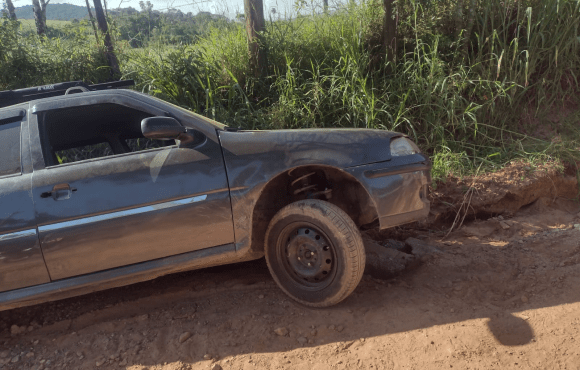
{"points": [[503, 294]]}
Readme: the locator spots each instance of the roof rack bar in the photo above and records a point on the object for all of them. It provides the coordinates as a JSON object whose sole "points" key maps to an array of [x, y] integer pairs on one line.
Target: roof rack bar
{"points": [[11, 97]]}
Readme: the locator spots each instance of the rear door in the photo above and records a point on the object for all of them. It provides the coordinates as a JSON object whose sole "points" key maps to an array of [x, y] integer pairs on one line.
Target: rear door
{"points": [[107, 197], [21, 262]]}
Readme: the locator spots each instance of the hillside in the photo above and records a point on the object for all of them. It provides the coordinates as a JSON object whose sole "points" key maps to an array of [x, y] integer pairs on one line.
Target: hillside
{"points": [[62, 12]]}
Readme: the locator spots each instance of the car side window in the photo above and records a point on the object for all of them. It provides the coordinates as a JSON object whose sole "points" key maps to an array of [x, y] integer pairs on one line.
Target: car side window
{"points": [[96, 131], [10, 148]]}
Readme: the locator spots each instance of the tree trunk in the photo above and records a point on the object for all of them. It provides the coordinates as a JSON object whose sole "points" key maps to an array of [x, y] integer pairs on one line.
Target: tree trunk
{"points": [[109, 51], [10, 8], [458, 18], [92, 19], [38, 18], [389, 43], [325, 5], [255, 26], [469, 29], [43, 5]]}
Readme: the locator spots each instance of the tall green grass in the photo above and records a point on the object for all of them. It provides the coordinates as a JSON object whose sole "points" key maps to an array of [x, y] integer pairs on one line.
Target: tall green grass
{"points": [[475, 84]]}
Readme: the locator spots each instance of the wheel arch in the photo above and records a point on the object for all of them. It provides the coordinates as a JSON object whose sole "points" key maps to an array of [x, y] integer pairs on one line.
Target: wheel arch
{"points": [[346, 192]]}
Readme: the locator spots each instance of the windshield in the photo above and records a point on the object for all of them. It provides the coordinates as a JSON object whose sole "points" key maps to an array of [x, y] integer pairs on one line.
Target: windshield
{"points": [[189, 113]]}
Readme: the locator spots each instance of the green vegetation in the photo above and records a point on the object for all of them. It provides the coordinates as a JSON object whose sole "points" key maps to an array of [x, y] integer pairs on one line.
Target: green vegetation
{"points": [[62, 12], [476, 84]]}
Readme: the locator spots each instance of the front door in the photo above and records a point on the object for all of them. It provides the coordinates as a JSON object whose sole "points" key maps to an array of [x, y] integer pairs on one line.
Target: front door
{"points": [[107, 197]]}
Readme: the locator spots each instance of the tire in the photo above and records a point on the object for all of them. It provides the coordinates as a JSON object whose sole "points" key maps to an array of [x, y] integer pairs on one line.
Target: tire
{"points": [[315, 252]]}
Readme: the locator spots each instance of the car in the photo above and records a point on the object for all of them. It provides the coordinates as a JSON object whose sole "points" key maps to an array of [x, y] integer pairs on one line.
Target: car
{"points": [[102, 187]]}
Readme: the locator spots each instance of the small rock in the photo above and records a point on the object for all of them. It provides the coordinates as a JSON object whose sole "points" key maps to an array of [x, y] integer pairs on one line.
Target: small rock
{"points": [[4, 354], [281, 331], [313, 332], [216, 367], [123, 362], [30, 328], [79, 353], [340, 328], [331, 327], [500, 217], [261, 296], [302, 340], [207, 356], [185, 336], [577, 226], [15, 359], [524, 299], [504, 225], [100, 361], [452, 310], [15, 329], [30, 354]]}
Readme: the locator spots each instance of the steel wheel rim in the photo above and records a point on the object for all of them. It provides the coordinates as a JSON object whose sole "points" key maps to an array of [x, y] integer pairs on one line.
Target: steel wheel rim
{"points": [[308, 255]]}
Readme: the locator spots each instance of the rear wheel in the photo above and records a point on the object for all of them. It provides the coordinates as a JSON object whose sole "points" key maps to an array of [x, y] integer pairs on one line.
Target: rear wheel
{"points": [[315, 252]]}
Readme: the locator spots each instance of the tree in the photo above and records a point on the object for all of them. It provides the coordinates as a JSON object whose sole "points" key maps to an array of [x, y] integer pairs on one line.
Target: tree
{"points": [[10, 8], [109, 51], [389, 35], [92, 19], [255, 27], [39, 9]]}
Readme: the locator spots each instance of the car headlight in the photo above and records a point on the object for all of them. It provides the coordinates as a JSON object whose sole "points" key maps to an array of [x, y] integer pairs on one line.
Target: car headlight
{"points": [[402, 146]]}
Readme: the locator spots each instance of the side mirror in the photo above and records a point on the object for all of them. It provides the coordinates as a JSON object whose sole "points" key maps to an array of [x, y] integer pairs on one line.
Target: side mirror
{"points": [[162, 128]]}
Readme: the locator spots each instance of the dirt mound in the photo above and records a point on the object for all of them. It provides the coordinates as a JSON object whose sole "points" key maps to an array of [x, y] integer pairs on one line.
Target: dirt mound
{"points": [[499, 193]]}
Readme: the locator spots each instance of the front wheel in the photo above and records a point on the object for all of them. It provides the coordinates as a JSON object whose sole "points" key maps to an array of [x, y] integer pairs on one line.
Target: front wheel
{"points": [[315, 252]]}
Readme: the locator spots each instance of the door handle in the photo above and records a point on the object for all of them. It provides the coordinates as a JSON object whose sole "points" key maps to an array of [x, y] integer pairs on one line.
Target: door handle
{"points": [[59, 192]]}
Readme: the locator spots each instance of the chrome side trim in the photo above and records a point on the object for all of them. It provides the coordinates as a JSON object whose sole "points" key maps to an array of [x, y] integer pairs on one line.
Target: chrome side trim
{"points": [[18, 235], [128, 212]]}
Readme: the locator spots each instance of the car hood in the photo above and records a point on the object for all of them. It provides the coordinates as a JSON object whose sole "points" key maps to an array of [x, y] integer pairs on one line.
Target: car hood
{"points": [[336, 147]]}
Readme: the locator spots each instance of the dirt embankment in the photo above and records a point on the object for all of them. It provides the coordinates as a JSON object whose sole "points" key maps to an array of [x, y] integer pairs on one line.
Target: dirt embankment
{"points": [[502, 293]]}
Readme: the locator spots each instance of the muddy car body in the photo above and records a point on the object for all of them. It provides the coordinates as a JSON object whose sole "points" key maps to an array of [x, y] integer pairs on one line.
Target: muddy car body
{"points": [[206, 195]]}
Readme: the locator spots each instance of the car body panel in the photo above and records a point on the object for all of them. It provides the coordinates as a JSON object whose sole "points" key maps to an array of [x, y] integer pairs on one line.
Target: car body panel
{"points": [[117, 277], [253, 158], [19, 247], [130, 208], [398, 187]]}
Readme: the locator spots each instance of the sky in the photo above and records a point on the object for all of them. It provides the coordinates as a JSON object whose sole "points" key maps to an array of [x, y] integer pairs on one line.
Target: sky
{"points": [[226, 7]]}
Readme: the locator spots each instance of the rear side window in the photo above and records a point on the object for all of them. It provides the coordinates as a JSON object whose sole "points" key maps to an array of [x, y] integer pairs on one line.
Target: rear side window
{"points": [[9, 148]]}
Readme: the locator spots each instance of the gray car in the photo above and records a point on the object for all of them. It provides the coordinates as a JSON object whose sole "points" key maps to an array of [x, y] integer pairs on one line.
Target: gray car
{"points": [[105, 188]]}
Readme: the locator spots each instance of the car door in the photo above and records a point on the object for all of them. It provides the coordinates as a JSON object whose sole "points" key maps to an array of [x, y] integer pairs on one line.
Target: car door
{"points": [[21, 262], [123, 206]]}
